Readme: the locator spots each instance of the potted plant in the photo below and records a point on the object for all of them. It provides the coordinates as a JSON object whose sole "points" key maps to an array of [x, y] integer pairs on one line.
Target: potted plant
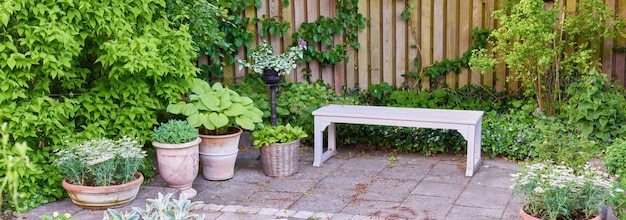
{"points": [[273, 66], [101, 173], [218, 112], [552, 191], [176, 144], [279, 148]]}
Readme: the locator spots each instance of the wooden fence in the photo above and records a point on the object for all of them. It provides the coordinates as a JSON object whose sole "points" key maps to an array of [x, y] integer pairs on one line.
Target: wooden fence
{"points": [[439, 28]]}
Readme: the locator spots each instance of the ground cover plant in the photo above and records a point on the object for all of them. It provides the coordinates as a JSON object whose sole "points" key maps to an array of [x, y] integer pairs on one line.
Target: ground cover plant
{"points": [[88, 69]]}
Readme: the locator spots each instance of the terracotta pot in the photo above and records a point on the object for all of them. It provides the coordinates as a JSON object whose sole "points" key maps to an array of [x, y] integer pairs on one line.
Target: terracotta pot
{"points": [[280, 159], [218, 154], [178, 164], [526, 216], [103, 197]]}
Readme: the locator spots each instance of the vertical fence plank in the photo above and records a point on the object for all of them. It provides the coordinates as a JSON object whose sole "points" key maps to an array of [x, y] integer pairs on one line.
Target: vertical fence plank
{"points": [[259, 14], [401, 44], [338, 71], [500, 74], [451, 39], [274, 8], [299, 17], [326, 72], [489, 23], [414, 35], [607, 45], [427, 39], [363, 53], [620, 58], [387, 46], [465, 33], [477, 22], [312, 16], [375, 36], [439, 30]]}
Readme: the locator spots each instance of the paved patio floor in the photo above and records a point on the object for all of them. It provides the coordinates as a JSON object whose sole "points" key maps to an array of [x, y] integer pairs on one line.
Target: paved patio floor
{"points": [[358, 183]]}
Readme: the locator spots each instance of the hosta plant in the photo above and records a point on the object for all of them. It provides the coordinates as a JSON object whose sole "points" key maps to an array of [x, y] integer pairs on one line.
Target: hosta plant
{"points": [[553, 191], [215, 108], [101, 162]]}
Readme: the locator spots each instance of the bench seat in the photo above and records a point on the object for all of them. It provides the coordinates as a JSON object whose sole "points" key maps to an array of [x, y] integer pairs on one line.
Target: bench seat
{"points": [[467, 123]]}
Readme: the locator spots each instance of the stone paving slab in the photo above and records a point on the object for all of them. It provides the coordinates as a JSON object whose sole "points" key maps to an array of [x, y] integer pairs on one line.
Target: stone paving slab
{"points": [[360, 182]]}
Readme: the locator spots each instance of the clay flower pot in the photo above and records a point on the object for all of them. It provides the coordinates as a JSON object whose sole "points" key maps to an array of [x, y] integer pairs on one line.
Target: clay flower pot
{"points": [[103, 197], [178, 164], [218, 154], [526, 216]]}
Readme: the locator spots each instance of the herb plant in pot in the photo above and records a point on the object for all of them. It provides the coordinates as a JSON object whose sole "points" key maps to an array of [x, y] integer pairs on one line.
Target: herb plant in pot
{"points": [[273, 66], [176, 144], [555, 192], [279, 148], [101, 173], [218, 112]]}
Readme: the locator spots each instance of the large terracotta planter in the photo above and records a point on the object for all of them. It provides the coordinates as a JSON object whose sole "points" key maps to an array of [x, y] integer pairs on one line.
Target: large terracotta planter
{"points": [[103, 197], [218, 154], [280, 159], [526, 216], [178, 164]]}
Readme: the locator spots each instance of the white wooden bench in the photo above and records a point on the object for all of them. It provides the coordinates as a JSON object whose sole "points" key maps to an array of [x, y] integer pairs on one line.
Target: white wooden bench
{"points": [[468, 123]]}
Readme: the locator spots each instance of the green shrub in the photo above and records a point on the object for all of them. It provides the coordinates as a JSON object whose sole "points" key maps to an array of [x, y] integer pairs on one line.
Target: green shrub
{"points": [[615, 158], [595, 108], [277, 134], [85, 69], [175, 132]]}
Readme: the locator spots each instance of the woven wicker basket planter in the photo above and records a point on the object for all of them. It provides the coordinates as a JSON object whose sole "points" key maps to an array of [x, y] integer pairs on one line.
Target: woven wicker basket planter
{"points": [[280, 159]]}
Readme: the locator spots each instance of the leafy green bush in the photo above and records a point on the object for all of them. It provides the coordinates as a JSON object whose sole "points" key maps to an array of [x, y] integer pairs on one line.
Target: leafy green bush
{"points": [[85, 69], [615, 158], [294, 103], [596, 108], [277, 134], [175, 132]]}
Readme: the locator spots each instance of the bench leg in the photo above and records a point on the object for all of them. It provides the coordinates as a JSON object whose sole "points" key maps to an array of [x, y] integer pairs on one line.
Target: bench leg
{"points": [[318, 141], [473, 149]]}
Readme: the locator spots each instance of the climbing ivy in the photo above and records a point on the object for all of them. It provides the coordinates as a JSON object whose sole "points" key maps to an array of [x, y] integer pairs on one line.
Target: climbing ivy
{"points": [[272, 25], [348, 23]]}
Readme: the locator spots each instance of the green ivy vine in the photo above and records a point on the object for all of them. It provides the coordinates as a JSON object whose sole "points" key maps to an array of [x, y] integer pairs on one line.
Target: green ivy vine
{"points": [[348, 23]]}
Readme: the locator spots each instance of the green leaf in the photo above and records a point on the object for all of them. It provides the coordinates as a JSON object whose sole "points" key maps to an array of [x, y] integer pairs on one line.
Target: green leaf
{"points": [[235, 110], [199, 86], [205, 120], [11, 62], [244, 122], [190, 109], [210, 101], [176, 108], [219, 120]]}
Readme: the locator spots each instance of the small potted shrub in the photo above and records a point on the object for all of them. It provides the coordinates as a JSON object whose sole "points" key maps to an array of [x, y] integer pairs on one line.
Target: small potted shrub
{"points": [[101, 173], [218, 112], [176, 144], [279, 148], [552, 191]]}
